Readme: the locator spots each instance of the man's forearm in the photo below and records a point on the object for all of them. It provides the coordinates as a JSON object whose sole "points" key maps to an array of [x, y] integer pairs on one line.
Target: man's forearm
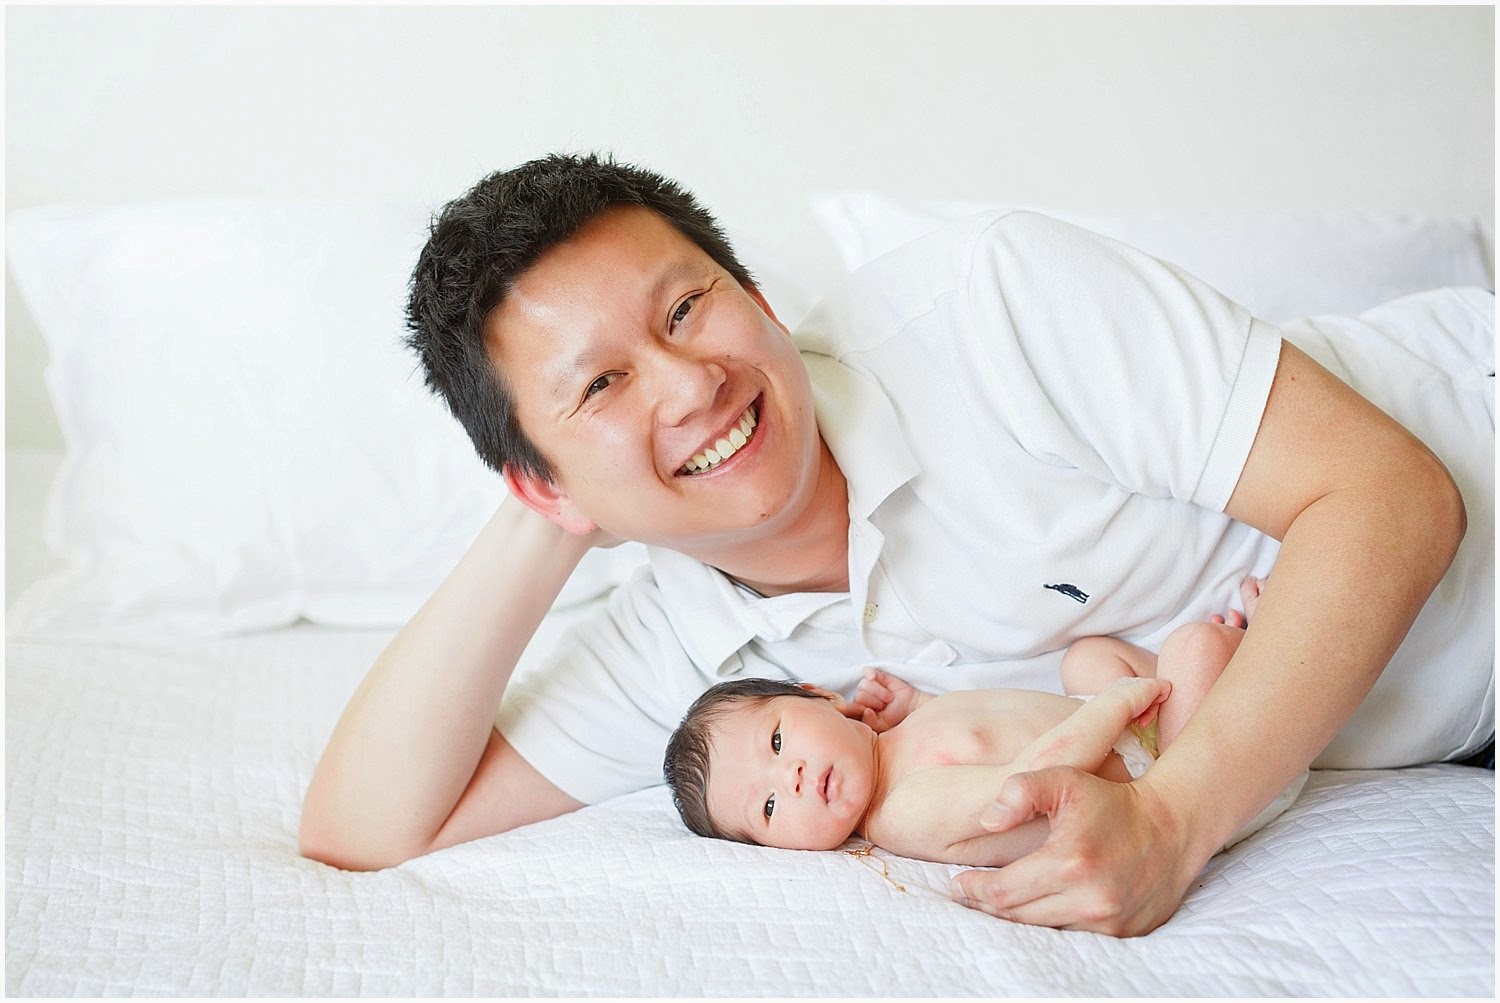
{"points": [[409, 741], [1354, 570]]}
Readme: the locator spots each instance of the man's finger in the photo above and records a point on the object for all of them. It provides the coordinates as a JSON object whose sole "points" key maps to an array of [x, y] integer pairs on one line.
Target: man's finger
{"points": [[1026, 795], [1057, 911], [1011, 887], [1039, 897]]}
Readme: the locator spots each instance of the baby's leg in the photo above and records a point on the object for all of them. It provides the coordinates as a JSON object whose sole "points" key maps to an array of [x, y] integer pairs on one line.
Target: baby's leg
{"points": [[1191, 659], [1092, 663]]}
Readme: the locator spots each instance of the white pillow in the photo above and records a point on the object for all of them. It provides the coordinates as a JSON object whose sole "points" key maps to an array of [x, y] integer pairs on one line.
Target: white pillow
{"points": [[248, 441], [1280, 266]]}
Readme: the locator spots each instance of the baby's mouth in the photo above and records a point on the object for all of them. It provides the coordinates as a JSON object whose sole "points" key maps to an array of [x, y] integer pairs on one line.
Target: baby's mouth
{"points": [[726, 445], [823, 784]]}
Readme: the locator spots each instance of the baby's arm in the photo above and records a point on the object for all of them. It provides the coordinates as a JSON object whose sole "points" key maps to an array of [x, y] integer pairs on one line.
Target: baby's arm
{"points": [[885, 701], [1087, 736], [933, 814]]}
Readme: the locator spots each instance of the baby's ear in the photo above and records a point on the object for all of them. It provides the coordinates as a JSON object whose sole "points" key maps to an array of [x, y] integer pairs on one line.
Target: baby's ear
{"points": [[820, 691], [841, 705]]}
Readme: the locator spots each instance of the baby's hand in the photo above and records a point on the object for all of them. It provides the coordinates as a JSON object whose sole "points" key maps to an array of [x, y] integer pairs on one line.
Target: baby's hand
{"points": [[885, 701], [1143, 696]]}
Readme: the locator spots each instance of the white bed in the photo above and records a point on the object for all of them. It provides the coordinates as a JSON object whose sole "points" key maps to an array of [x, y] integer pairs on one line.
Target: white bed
{"points": [[170, 688]]}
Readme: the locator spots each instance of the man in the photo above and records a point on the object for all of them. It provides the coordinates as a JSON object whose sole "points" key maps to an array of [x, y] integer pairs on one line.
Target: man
{"points": [[939, 481]]}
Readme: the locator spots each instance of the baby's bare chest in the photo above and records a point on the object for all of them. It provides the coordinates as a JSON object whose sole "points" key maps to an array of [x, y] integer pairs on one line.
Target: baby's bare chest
{"points": [[979, 728]]}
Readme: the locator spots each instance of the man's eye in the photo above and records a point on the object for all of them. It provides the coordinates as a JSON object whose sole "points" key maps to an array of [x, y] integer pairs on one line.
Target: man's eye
{"points": [[776, 742], [770, 808], [600, 384], [683, 309]]}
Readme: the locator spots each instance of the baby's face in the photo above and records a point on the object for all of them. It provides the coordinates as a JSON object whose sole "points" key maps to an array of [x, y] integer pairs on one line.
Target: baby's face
{"points": [[791, 772]]}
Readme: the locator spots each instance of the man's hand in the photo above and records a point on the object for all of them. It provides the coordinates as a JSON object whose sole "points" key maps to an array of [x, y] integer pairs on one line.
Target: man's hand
{"points": [[1115, 862]]}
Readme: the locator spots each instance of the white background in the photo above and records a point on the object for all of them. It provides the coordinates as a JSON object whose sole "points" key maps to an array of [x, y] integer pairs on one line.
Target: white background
{"points": [[1117, 108]]}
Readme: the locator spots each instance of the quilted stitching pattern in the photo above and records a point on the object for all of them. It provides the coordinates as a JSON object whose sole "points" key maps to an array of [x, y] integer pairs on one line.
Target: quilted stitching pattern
{"points": [[152, 799]]}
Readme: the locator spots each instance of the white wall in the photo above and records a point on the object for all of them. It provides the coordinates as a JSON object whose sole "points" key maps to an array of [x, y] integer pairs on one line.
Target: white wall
{"points": [[1383, 108]]}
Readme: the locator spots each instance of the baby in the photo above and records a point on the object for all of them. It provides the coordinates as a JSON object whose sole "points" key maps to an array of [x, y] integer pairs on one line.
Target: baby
{"points": [[771, 762]]}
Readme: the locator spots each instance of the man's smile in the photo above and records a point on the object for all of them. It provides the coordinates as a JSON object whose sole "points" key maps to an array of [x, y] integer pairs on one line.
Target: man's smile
{"points": [[724, 445]]}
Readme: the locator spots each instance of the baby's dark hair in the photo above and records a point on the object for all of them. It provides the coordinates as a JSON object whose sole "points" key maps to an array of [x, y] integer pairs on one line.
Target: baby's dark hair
{"points": [[686, 763], [483, 240]]}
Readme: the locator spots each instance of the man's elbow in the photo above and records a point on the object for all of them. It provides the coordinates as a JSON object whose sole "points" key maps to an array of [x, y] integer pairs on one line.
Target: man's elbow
{"points": [[318, 847], [1459, 516], [1441, 511], [326, 844]]}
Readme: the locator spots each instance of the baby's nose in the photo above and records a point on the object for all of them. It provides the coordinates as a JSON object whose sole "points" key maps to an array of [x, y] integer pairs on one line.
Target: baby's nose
{"points": [[795, 780]]}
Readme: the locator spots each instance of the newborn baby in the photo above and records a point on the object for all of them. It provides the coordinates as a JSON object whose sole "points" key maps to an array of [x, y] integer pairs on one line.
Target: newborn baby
{"points": [[786, 766], [781, 764]]}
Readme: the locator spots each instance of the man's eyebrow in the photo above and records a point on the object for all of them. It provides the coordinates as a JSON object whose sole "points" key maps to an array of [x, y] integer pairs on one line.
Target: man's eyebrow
{"points": [[568, 373], [675, 272]]}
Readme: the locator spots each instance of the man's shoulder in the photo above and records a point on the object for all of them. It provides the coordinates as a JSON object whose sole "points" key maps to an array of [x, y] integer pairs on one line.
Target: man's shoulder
{"points": [[884, 297], [929, 285], [948, 252]]}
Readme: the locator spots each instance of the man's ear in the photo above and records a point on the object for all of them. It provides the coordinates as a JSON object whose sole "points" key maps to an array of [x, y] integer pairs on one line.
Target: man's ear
{"points": [[548, 500]]}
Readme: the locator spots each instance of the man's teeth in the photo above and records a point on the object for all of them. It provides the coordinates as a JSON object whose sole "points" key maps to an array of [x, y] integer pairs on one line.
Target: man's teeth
{"points": [[725, 447]]}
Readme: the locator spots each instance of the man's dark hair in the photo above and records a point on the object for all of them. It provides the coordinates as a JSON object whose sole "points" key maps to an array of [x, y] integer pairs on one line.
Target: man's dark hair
{"points": [[686, 763], [483, 240]]}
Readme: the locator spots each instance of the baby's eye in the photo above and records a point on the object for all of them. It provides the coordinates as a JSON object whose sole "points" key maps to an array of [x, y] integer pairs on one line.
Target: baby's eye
{"points": [[770, 808], [776, 742]]}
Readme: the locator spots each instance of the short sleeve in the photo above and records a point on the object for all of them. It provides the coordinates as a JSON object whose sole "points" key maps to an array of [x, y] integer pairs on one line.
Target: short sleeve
{"points": [[594, 716], [1116, 363]]}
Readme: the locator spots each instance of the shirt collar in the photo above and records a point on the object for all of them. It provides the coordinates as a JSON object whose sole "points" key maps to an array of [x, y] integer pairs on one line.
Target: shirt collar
{"points": [[715, 617], [859, 424]]}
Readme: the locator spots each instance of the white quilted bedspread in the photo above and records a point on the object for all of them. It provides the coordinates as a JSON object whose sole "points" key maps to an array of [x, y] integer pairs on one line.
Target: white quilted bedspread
{"points": [[152, 796]]}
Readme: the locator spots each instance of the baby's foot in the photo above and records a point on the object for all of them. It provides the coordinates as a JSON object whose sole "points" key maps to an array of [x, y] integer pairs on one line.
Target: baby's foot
{"points": [[1250, 589]]}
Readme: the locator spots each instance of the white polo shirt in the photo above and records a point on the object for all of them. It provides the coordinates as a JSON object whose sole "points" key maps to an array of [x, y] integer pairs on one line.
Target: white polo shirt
{"points": [[1040, 429]]}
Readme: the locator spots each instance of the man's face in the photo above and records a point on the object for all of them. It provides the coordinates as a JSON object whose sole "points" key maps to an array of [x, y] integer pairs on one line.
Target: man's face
{"points": [[790, 772], [634, 360]]}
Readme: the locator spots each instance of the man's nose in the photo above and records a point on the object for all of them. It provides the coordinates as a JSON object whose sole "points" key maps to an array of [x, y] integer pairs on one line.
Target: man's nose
{"points": [[685, 385]]}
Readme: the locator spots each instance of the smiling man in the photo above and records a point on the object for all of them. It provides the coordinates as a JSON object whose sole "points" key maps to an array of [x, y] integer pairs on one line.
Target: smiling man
{"points": [[1004, 437], [672, 407]]}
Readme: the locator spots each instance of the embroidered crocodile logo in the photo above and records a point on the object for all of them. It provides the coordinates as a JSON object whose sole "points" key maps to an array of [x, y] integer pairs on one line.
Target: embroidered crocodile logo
{"points": [[1071, 591]]}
